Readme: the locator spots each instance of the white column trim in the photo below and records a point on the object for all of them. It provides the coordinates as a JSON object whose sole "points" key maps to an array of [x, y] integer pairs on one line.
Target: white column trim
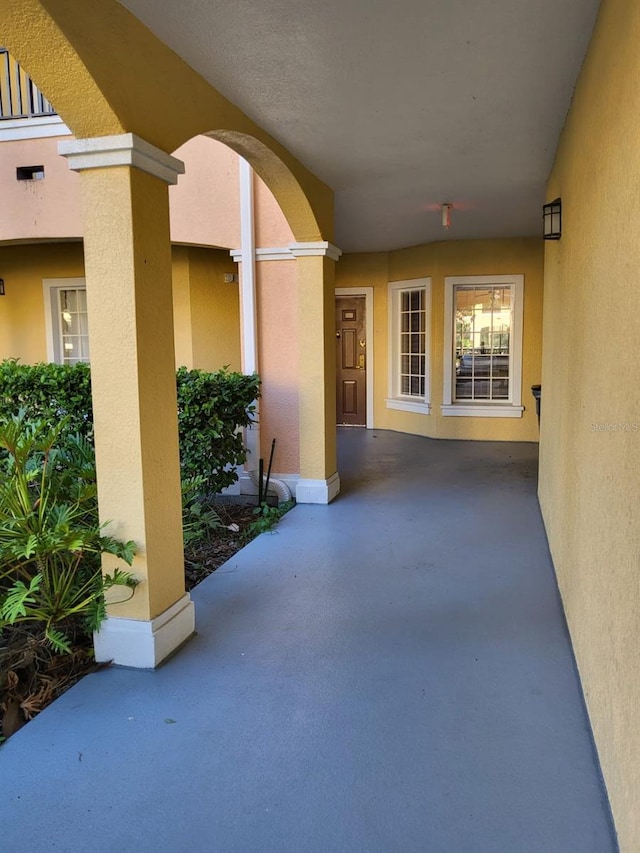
{"points": [[144, 644], [248, 307], [125, 149], [318, 248], [246, 257], [275, 253], [317, 491], [291, 252]]}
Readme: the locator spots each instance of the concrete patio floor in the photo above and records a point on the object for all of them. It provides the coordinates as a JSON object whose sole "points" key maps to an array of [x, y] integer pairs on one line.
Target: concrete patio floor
{"points": [[388, 674]]}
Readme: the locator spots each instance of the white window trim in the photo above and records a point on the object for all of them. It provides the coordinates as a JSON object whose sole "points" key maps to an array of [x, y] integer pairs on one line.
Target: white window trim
{"points": [[512, 408], [367, 292], [395, 400], [50, 287]]}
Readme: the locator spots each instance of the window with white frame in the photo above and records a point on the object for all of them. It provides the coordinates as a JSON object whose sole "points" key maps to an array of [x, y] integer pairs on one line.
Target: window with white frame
{"points": [[409, 321], [66, 320], [483, 346]]}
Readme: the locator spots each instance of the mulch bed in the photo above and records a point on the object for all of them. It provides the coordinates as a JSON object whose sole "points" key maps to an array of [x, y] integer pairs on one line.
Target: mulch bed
{"points": [[32, 675]]}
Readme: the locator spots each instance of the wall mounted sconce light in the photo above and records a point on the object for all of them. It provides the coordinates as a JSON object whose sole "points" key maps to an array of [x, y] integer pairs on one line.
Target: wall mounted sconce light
{"points": [[446, 215], [552, 220], [1, 287]]}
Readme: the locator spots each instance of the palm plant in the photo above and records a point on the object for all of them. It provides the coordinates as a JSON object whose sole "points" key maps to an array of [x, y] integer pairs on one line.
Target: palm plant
{"points": [[50, 537]]}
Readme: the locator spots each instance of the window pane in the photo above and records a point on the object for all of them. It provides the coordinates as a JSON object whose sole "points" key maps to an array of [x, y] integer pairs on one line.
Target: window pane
{"points": [[68, 300], [412, 340], [72, 328], [482, 342]]}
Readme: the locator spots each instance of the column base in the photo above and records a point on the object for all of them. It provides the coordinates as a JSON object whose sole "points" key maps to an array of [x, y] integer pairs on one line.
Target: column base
{"points": [[145, 644], [317, 491]]}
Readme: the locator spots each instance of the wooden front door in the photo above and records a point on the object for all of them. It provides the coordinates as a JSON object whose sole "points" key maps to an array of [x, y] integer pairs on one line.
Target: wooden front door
{"points": [[351, 361]]}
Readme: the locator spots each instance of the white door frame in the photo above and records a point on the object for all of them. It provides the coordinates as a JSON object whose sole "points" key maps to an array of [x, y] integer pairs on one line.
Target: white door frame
{"points": [[367, 292]]}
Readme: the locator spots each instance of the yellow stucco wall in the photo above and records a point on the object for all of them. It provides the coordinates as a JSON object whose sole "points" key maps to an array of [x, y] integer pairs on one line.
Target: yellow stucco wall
{"points": [[215, 310], [590, 431], [22, 322], [438, 260], [206, 310], [182, 331]]}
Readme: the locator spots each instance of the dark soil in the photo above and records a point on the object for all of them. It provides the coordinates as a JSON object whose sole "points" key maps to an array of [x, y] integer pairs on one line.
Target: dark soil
{"points": [[201, 561], [32, 675]]}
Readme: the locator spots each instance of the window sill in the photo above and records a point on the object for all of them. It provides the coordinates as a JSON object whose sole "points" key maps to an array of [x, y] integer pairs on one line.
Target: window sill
{"points": [[461, 410], [402, 405]]}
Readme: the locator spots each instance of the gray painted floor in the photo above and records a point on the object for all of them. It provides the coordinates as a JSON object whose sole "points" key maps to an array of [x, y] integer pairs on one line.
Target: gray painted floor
{"points": [[388, 674]]}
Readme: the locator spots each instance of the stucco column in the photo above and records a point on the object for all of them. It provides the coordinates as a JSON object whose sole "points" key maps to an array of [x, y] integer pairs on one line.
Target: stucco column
{"points": [[128, 273], [319, 481]]}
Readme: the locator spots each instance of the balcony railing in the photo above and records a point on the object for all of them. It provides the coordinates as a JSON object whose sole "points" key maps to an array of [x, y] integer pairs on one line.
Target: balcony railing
{"points": [[19, 95]]}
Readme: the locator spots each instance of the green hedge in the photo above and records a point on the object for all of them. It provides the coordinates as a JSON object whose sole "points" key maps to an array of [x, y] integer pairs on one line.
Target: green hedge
{"points": [[48, 392], [211, 408]]}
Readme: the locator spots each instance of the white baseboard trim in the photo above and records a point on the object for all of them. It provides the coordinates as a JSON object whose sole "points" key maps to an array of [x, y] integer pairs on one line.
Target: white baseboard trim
{"points": [[318, 491], [145, 644]]}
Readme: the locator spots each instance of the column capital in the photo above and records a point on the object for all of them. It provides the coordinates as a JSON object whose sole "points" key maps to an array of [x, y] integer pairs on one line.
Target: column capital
{"points": [[317, 248], [292, 251], [125, 149]]}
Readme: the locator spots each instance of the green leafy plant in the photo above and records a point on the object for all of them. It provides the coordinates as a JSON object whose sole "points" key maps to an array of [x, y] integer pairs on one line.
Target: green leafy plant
{"points": [[50, 538], [199, 519], [211, 408], [48, 392], [267, 517]]}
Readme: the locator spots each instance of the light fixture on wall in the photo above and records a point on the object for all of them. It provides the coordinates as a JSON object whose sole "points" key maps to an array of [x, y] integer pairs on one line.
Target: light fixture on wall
{"points": [[1, 287], [446, 214], [552, 220]]}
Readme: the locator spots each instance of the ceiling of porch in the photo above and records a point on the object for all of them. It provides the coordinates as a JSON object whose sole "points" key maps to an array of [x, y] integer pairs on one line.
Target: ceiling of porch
{"points": [[399, 106]]}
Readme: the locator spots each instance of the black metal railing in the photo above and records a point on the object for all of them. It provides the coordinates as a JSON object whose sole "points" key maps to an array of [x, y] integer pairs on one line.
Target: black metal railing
{"points": [[19, 95]]}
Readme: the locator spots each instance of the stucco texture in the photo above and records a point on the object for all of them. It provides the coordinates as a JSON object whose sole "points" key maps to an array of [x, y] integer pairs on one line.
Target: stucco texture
{"points": [[204, 204], [39, 209], [438, 260], [278, 342], [590, 431], [22, 319], [100, 48]]}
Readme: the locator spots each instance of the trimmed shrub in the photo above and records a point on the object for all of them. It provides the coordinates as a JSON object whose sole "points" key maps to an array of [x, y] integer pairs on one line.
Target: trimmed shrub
{"points": [[48, 392], [211, 409]]}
